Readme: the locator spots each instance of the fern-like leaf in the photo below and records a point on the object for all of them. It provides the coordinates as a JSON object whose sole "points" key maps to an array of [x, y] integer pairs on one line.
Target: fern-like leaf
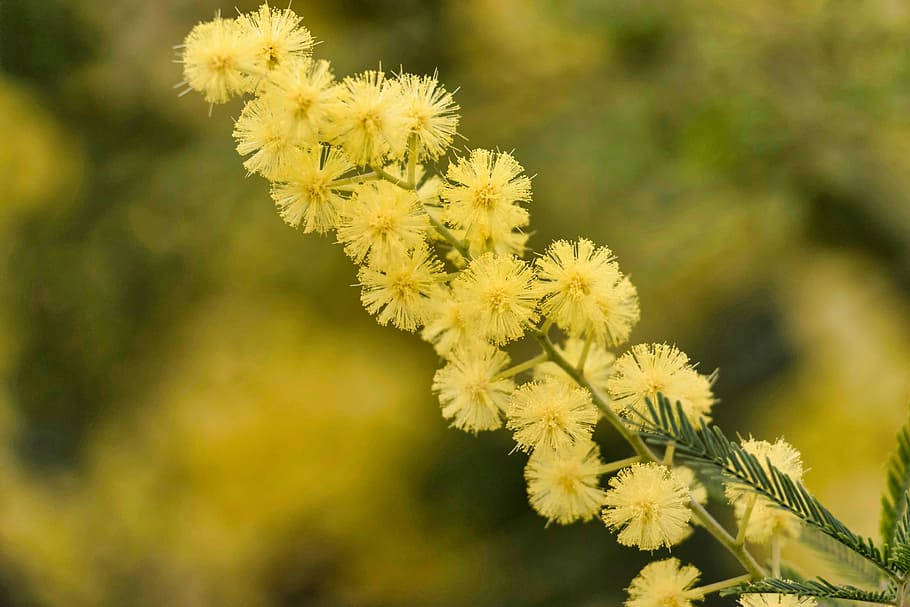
{"points": [[708, 446], [851, 567], [896, 499], [820, 588]]}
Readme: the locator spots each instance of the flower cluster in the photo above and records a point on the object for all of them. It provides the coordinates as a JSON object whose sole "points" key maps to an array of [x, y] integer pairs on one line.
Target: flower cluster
{"points": [[444, 255]]}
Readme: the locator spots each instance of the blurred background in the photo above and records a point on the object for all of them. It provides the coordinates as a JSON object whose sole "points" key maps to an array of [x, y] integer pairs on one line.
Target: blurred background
{"points": [[194, 408]]}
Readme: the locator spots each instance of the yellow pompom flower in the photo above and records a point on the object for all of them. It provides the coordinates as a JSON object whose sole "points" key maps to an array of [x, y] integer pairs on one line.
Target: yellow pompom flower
{"points": [[218, 60], [400, 294], [306, 198], [277, 35], [469, 392], [381, 223], [482, 195], [649, 504], [664, 584], [431, 113], [597, 369], [776, 600], [499, 293], [448, 323], [583, 290], [563, 487], [302, 93], [766, 519], [550, 415], [368, 119], [262, 135], [651, 368]]}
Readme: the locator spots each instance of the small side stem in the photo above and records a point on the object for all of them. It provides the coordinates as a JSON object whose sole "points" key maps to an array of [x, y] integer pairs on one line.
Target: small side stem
{"points": [[449, 237], [703, 591], [382, 174], [412, 158], [744, 523], [584, 354], [776, 546], [528, 364], [619, 464], [338, 183], [668, 455]]}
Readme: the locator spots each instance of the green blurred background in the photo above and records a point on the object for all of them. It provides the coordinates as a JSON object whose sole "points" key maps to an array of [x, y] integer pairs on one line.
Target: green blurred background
{"points": [[196, 411]]}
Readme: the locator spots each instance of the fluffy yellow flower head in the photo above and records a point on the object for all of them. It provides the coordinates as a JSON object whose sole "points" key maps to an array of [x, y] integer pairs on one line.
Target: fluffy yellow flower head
{"points": [[302, 93], [400, 294], [431, 113], [776, 600], [767, 520], [381, 223], [550, 415], [448, 323], [483, 192], [278, 35], [563, 487], [218, 60], [597, 369], [651, 368], [499, 292], [649, 503], [262, 135], [469, 392], [306, 198], [368, 119], [664, 584], [582, 289]]}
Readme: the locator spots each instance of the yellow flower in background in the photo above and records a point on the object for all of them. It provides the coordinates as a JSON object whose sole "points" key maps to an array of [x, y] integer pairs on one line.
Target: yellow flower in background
{"points": [[498, 291], [431, 112], [400, 294], [649, 369], [262, 134], [305, 199], [583, 290], [368, 119], [448, 323], [550, 415], [649, 505], [563, 487], [277, 35], [697, 491], [597, 369], [381, 223], [663, 584], [218, 60], [483, 192], [776, 600], [469, 391], [302, 92], [766, 520]]}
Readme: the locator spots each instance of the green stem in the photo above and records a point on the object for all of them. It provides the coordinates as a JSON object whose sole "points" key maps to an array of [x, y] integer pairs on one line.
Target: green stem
{"points": [[412, 158], [744, 523], [449, 237], [528, 364], [638, 444], [619, 464], [338, 183], [584, 354], [382, 174], [703, 591], [776, 546], [668, 455]]}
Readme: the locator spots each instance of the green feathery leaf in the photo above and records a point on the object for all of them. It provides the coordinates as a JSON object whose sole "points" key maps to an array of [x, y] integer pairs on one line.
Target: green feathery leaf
{"points": [[820, 588], [708, 446], [850, 566], [896, 499]]}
